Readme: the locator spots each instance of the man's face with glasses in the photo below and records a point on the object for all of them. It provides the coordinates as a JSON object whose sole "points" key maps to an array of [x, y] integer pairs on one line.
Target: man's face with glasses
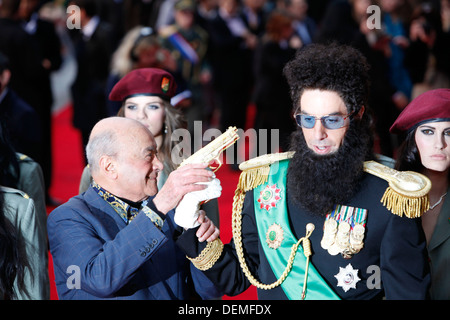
{"points": [[324, 120]]}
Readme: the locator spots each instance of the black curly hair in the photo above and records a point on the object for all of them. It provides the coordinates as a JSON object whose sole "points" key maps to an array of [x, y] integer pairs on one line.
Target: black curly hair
{"points": [[333, 67], [315, 182]]}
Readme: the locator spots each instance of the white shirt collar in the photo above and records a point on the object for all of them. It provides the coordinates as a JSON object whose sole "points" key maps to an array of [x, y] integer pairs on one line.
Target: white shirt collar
{"points": [[89, 29]]}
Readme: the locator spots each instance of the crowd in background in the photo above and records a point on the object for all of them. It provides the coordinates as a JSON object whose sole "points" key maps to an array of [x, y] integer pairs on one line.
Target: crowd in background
{"points": [[225, 54], [236, 56]]}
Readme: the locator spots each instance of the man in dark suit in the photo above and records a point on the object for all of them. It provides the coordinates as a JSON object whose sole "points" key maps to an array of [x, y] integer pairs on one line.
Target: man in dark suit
{"points": [[94, 45], [304, 26], [309, 223], [254, 16], [29, 78], [116, 240], [231, 52], [49, 48], [18, 117]]}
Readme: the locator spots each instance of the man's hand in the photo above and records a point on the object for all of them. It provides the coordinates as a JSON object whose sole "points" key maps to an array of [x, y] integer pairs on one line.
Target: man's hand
{"points": [[180, 182], [207, 230]]}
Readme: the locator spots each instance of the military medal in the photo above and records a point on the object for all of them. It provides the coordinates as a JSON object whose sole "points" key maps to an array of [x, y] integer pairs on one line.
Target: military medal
{"points": [[269, 197], [329, 233], [357, 236], [334, 249], [347, 277], [343, 231], [274, 236]]}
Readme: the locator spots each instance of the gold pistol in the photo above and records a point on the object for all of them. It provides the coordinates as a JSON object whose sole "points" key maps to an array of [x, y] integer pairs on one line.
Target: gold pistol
{"points": [[213, 149]]}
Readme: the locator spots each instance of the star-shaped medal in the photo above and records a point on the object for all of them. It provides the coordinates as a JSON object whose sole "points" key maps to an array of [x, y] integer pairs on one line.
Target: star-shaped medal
{"points": [[269, 197], [347, 277]]}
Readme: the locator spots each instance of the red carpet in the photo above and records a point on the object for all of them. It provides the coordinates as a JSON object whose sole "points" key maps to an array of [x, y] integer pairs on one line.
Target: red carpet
{"points": [[68, 166]]}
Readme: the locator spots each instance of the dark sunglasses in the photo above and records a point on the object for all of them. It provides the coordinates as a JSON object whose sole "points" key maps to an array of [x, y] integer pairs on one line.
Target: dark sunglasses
{"points": [[330, 122]]}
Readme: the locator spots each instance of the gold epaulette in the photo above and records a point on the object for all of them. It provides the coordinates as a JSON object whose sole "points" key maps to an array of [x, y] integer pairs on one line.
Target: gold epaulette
{"points": [[14, 191], [255, 171], [407, 193], [22, 157]]}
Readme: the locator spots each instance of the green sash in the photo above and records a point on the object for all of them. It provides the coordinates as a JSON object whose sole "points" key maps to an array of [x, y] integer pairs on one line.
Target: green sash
{"points": [[275, 200]]}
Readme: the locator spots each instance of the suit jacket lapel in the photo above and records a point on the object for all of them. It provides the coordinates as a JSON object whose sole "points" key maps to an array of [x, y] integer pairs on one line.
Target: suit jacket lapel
{"points": [[96, 202], [442, 230]]}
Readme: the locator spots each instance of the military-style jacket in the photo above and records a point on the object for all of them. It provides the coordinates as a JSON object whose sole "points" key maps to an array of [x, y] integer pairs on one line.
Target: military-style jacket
{"points": [[392, 263], [20, 210]]}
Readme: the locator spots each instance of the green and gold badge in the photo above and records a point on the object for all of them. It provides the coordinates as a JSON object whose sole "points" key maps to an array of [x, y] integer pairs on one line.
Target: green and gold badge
{"points": [[274, 236]]}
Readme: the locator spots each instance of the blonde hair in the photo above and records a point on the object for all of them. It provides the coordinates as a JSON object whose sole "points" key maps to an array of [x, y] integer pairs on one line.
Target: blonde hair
{"points": [[132, 42]]}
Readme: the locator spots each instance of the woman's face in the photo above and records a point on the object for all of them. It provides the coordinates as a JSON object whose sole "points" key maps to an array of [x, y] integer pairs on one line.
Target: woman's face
{"points": [[148, 110], [433, 143]]}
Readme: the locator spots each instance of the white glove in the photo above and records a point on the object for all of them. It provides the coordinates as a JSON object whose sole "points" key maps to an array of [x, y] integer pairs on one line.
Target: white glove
{"points": [[187, 211]]}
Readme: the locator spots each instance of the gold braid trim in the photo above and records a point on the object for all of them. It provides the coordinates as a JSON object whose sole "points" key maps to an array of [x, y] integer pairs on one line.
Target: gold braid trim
{"points": [[209, 255], [250, 179], [407, 193], [256, 173]]}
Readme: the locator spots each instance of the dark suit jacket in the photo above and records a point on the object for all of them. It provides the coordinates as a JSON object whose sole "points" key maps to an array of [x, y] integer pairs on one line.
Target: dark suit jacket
{"points": [[231, 63], [271, 93], [49, 48], [439, 251], [89, 88], [113, 260], [26, 68], [22, 124]]}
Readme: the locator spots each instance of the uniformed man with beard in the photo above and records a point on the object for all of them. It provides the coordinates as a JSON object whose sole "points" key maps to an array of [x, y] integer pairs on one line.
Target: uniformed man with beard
{"points": [[323, 221]]}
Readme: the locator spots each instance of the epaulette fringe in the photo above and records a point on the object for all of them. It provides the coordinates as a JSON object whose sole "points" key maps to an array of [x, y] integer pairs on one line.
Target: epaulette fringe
{"points": [[256, 171], [407, 194]]}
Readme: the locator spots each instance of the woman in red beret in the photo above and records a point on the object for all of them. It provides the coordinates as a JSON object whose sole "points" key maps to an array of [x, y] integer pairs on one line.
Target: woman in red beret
{"points": [[146, 96], [426, 149]]}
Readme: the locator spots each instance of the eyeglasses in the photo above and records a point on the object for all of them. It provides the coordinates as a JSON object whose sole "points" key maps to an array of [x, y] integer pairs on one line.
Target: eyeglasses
{"points": [[330, 122]]}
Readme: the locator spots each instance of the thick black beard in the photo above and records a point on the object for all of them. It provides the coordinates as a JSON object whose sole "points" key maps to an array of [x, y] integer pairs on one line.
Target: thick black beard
{"points": [[317, 182]]}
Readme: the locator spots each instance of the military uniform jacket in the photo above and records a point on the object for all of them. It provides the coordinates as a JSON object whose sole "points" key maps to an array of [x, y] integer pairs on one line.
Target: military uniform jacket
{"points": [[20, 210], [439, 252], [394, 252], [115, 260]]}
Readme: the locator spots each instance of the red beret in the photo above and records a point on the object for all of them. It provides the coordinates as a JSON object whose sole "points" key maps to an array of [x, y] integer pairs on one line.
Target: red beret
{"points": [[431, 105], [145, 81]]}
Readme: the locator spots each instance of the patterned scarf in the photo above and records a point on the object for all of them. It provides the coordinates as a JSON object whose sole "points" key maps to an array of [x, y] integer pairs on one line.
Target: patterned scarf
{"points": [[126, 211]]}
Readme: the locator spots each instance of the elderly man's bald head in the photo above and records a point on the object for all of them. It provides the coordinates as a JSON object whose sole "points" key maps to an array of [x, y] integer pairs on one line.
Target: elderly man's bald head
{"points": [[109, 136], [122, 155]]}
